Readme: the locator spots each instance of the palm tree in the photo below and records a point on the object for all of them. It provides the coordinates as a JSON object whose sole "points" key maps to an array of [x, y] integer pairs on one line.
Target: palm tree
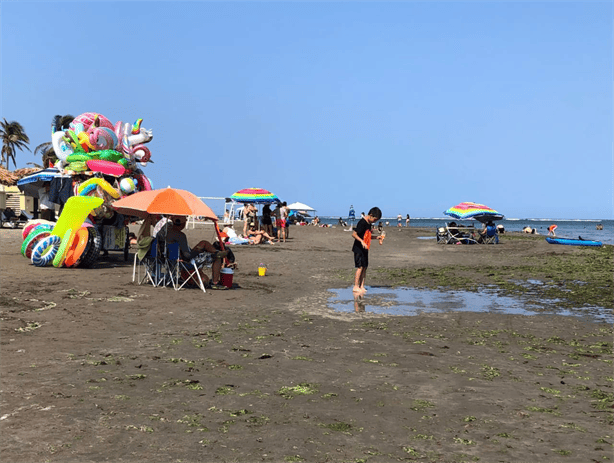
{"points": [[13, 138], [47, 153]]}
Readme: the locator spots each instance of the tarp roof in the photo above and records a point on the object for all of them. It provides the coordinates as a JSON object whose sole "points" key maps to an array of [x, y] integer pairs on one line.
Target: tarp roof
{"points": [[300, 207]]}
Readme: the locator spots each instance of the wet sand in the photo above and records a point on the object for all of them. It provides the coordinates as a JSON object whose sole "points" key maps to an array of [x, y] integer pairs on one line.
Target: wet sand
{"points": [[95, 368]]}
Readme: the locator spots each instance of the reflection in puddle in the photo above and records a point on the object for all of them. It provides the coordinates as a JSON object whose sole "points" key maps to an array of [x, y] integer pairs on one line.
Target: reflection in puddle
{"points": [[410, 301]]}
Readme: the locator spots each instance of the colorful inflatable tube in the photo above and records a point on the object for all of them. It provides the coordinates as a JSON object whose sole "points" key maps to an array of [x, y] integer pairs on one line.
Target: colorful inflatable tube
{"points": [[77, 247], [45, 250], [92, 183], [58, 260]]}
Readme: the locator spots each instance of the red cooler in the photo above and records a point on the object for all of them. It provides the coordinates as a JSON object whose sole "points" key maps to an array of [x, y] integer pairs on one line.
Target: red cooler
{"points": [[226, 275]]}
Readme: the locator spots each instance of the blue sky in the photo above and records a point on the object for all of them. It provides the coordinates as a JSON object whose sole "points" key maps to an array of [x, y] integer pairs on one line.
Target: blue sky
{"points": [[410, 106]]}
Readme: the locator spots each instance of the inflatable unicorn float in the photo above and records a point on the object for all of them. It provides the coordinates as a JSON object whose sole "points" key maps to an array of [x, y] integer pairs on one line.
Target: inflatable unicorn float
{"points": [[92, 137]]}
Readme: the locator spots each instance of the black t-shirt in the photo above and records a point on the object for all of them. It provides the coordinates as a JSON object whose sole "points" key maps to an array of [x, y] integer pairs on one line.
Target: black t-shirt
{"points": [[361, 229]]}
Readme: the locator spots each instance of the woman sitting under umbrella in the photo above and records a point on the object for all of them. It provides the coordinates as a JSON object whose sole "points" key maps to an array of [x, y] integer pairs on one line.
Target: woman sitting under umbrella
{"points": [[204, 253]]}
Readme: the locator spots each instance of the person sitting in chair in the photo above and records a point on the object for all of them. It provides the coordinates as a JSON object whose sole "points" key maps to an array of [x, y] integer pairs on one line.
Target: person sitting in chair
{"points": [[489, 230], [203, 253]]}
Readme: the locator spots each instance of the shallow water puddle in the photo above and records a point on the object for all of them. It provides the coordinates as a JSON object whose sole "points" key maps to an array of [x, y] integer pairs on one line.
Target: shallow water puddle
{"points": [[410, 301]]}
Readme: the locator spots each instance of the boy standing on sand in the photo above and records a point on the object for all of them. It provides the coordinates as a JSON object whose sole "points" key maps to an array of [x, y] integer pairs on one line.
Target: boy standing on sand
{"points": [[362, 243]]}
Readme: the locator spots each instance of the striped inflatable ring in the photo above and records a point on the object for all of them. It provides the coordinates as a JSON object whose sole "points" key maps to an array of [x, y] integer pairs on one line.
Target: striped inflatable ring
{"points": [[102, 183], [87, 190], [30, 241], [90, 256], [58, 260], [32, 224], [77, 247], [45, 250]]}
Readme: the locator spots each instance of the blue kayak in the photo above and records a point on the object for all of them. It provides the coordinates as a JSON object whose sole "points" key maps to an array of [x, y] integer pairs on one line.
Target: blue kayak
{"points": [[572, 242]]}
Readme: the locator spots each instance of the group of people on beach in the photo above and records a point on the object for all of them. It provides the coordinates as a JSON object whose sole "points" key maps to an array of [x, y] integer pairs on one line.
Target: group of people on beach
{"points": [[258, 232]]}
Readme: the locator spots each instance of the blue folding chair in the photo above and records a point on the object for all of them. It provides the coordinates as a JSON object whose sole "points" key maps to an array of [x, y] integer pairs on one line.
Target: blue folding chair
{"points": [[178, 272], [150, 265]]}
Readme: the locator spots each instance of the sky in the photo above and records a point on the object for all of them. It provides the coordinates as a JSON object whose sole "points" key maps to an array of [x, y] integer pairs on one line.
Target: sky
{"points": [[409, 106]]}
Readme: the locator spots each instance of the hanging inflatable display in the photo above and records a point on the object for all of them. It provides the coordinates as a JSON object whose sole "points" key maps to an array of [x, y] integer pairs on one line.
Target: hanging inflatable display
{"points": [[104, 161]]}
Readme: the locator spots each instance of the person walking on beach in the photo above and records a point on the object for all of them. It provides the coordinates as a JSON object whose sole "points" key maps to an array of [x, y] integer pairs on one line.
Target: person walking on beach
{"points": [[407, 221], [362, 243]]}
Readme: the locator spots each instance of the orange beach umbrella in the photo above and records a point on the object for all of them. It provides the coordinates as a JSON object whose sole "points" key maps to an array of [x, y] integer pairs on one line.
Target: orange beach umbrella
{"points": [[165, 201]]}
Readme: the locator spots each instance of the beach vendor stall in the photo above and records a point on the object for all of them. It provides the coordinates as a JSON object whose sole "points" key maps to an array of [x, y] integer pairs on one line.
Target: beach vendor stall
{"points": [[96, 163]]}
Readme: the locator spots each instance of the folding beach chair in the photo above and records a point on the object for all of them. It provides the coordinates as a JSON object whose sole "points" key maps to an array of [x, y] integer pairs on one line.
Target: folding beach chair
{"points": [[453, 234], [491, 236], [178, 272], [444, 236], [150, 265]]}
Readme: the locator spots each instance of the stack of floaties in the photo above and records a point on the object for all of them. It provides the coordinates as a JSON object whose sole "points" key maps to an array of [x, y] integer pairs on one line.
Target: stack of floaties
{"points": [[69, 242]]}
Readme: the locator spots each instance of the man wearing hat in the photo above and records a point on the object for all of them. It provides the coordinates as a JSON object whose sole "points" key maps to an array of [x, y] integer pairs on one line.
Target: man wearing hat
{"points": [[203, 253]]}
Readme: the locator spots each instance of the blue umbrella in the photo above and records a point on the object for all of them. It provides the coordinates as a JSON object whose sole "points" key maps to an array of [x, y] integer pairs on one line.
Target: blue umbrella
{"points": [[30, 184]]}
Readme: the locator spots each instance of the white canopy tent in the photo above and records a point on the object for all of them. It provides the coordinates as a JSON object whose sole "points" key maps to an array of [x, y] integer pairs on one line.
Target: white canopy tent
{"points": [[300, 207]]}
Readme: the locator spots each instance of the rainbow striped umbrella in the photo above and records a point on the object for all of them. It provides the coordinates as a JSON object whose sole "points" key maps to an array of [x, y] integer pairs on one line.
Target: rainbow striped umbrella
{"points": [[254, 195], [468, 210]]}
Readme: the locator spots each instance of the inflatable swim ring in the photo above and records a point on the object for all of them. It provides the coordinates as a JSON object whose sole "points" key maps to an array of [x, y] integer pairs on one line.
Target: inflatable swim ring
{"points": [[31, 240], [90, 256], [32, 224], [102, 183], [77, 247], [32, 233], [45, 250], [87, 190], [143, 182], [58, 260]]}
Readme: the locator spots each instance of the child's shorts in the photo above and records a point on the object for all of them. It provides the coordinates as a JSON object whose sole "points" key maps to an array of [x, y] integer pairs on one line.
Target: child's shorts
{"points": [[361, 258]]}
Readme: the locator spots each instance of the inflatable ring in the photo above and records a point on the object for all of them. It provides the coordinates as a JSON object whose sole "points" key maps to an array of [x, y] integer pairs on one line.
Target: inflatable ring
{"points": [[45, 250], [102, 183], [88, 189], [144, 182], [32, 235], [90, 256], [31, 241], [58, 260], [32, 224], [77, 247]]}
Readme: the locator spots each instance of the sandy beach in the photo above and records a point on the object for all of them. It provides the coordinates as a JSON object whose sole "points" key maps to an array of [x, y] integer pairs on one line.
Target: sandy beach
{"points": [[95, 368]]}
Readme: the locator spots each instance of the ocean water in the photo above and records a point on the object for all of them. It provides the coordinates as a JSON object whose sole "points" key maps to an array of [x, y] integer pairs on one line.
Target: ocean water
{"points": [[587, 229]]}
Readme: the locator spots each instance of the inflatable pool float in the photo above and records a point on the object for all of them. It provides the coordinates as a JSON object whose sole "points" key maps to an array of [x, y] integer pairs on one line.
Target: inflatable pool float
{"points": [[45, 250], [60, 257], [77, 247], [87, 186], [75, 211], [106, 167], [572, 242]]}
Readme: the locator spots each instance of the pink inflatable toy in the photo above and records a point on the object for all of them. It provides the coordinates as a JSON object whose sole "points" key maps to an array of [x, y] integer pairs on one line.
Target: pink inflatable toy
{"points": [[102, 138], [86, 121]]}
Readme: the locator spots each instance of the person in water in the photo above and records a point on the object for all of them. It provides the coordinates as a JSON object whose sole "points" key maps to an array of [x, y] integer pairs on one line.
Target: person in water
{"points": [[362, 243]]}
